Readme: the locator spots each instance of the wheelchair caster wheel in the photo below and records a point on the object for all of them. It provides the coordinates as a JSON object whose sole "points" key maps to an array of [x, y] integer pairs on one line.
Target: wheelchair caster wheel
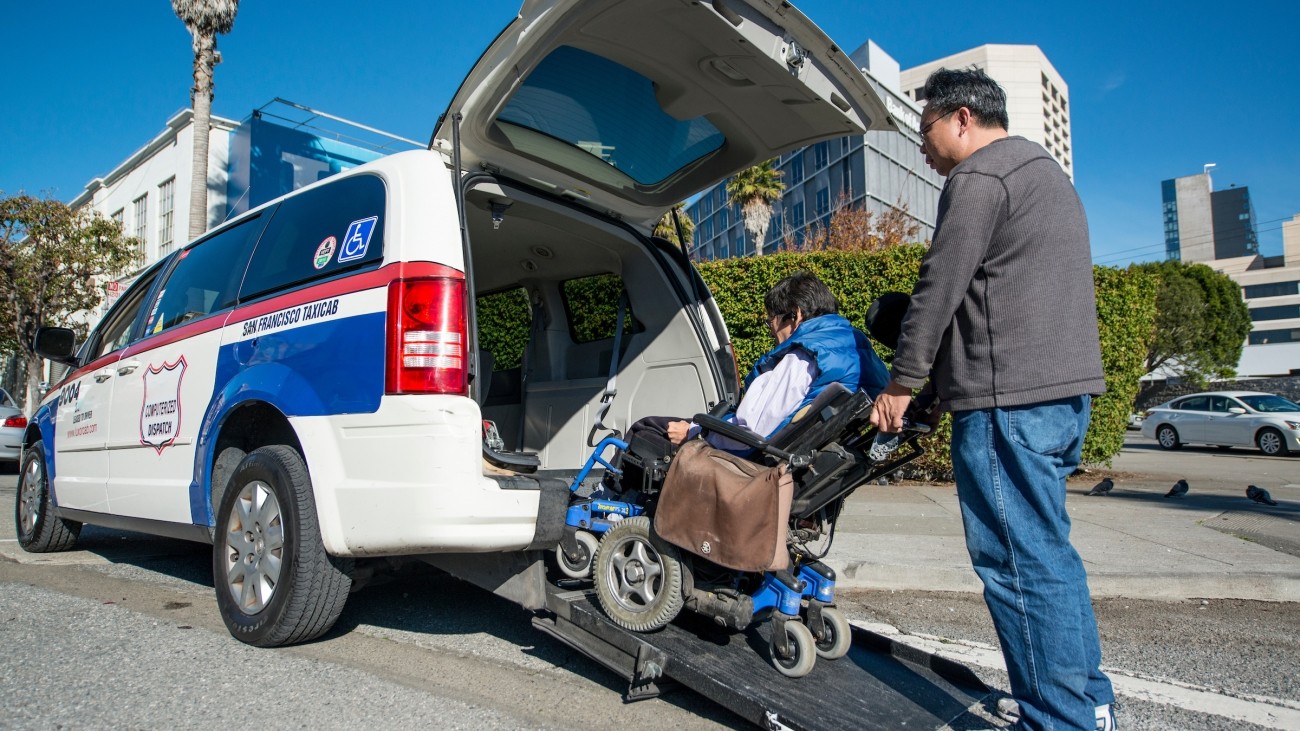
{"points": [[802, 654], [834, 637], [581, 568]]}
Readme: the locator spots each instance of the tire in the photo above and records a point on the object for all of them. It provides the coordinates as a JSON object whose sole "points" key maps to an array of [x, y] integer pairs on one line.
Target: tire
{"points": [[39, 528], [803, 646], [1167, 437], [836, 637], [587, 544], [1271, 442], [275, 584], [638, 583]]}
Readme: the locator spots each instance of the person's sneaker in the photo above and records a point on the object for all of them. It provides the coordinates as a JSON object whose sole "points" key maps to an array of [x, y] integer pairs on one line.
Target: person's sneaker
{"points": [[1106, 718]]}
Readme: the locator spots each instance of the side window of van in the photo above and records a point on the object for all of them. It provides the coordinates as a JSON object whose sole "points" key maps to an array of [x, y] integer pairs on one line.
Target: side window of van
{"points": [[205, 278], [116, 331], [591, 305], [504, 324], [319, 233]]}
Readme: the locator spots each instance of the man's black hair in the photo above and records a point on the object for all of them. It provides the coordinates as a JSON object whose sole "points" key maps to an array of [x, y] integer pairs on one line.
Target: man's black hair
{"points": [[801, 291], [948, 90]]}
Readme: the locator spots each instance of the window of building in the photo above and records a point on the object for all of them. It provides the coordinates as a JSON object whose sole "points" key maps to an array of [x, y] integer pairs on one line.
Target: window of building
{"points": [[1046, 82], [796, 216], [166, 211], [724, 219], [206, 277], [319, 233], [775, 228], [1273, 337], [822, 155], [120, 216], [1277, 312], [142, 222], [823, 202], [1275, 289], [796, 169], [723, 250]]}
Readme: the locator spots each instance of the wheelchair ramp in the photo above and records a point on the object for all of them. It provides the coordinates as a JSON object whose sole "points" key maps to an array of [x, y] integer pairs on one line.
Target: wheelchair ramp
{"points": [[878, 685]]}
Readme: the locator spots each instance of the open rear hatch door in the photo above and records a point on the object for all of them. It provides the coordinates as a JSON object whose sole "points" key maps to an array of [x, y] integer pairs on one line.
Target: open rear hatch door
{"points": [[630, 106]]}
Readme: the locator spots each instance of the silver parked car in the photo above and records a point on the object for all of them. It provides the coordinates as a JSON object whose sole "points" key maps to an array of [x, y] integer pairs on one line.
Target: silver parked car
{"points": [[12, 426], [1227, 419]]}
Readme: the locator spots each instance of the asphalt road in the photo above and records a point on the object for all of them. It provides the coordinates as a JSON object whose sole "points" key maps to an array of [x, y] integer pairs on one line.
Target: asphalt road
{"points": [[125, 633]]}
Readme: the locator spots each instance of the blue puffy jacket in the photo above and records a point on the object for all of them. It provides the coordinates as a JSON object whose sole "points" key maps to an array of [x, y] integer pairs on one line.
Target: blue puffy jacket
{"points": [[843, 355]]}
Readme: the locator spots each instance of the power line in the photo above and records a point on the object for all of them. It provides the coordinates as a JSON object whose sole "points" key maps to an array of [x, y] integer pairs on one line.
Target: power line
{"points": [[1193, 241]]}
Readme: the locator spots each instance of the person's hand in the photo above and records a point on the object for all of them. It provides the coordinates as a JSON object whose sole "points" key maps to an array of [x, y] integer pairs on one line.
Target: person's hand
{"points": [[887, 412], [678, 431]]}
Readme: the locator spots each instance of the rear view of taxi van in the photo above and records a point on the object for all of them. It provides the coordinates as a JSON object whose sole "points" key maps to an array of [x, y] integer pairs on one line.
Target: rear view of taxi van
{"points": [[412, 358]]}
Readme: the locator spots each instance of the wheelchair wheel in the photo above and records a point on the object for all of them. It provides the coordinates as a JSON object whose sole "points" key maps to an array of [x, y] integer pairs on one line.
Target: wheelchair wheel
{"points": [[638, 583], [835, 636], [581, 568], [803, 653]]}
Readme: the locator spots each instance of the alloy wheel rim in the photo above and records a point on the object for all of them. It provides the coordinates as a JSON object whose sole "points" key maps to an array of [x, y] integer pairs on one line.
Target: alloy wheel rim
{"points": [[637, 578], [1269, 442], [30, 498], [254, 547]]}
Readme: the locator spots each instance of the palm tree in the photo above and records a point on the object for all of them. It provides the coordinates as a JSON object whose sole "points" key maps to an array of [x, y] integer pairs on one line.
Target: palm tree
{"points": [[667, 230], [204, 19], [754, 189]]}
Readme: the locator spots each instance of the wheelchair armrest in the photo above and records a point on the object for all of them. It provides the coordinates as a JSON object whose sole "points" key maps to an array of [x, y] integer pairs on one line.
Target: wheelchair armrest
{"points": [[748, 438]]}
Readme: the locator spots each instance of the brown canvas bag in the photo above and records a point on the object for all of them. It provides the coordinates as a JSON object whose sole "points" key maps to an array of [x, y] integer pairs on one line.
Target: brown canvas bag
{"points": [[726, 509]]}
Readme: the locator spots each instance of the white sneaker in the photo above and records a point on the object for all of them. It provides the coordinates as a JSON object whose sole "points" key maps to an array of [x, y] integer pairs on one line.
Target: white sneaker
{"points": [[1106, 718]]}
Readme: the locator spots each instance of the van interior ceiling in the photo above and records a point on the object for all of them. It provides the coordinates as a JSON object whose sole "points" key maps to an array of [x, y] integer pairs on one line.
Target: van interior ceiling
{"points": [[537, 253]]}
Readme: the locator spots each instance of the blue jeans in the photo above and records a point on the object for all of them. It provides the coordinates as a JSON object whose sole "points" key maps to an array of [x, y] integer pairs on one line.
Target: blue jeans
{"points": [[1010, 465]]}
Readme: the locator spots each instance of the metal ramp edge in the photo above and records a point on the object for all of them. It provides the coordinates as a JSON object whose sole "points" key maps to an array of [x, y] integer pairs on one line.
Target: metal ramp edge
{"points": [[880, 684]]}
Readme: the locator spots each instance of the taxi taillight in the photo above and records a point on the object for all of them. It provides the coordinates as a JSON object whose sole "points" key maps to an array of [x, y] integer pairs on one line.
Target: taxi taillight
{"points": [[427, 336], [18, 421]]}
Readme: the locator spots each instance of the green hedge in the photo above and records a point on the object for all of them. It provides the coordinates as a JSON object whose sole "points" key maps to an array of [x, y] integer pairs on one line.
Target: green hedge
{"points": [[1125, 312]]}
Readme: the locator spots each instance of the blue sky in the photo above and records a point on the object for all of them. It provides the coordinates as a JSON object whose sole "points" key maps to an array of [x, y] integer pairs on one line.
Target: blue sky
{"points": [[1157, 89]]}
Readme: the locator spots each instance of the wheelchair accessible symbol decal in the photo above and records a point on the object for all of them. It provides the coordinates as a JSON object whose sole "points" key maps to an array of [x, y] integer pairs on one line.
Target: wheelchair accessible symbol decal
{"points": [[357, 239], [160, 415]]}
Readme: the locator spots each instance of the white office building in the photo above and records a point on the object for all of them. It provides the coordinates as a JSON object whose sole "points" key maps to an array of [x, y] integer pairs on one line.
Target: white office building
{"points": [[149, 192], [1038, 99], [1271, 286]]}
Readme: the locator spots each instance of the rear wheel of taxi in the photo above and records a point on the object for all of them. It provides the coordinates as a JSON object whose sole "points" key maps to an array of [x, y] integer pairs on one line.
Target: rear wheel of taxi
{"points": [[39, 529], [275, 584], [1271, 442], [1167, 437]]}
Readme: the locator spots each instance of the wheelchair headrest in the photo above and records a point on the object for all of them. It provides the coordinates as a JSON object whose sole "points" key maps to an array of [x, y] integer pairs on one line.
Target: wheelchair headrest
{"points": [[885, 317]]}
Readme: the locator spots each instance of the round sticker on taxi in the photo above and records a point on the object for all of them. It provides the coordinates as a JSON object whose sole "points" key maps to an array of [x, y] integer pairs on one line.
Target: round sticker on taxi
{"points": [[325, 252]]}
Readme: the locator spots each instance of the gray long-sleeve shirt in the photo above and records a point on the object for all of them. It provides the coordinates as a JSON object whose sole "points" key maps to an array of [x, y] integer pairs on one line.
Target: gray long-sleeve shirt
{"points": [[1004, 312]]}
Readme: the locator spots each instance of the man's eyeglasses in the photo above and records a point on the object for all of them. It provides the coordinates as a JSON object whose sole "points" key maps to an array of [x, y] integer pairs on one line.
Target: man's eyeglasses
{"points": [[926, 129]]}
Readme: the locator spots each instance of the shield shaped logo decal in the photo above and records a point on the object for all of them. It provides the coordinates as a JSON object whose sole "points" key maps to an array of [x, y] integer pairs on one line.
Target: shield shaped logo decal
{"points": [[160, 415]]}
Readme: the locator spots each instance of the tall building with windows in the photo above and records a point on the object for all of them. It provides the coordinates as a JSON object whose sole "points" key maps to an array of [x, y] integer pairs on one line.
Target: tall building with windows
{"points": [[1271, 288], [1038, 99], [876, 172], [1202, 224]]}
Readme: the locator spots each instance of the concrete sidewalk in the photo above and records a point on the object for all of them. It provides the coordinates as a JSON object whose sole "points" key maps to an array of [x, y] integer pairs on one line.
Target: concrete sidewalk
{"points": [[1213, 543]]}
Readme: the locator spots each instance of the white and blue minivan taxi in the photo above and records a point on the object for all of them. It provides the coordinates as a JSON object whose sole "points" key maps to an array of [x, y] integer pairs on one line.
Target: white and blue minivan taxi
{"points": [[307, 387]]}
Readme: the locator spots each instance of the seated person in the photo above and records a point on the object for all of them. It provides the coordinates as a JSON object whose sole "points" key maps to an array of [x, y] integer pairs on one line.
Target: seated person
{"points": [[815, 348]]}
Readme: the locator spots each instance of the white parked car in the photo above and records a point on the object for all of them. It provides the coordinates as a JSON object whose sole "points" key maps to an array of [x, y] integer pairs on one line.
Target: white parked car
{"points": [[1227, 419], [12, 425]]}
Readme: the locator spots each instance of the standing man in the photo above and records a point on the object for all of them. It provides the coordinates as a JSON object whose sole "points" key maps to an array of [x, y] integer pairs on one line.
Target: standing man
{"points": [[1003, 319]]}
